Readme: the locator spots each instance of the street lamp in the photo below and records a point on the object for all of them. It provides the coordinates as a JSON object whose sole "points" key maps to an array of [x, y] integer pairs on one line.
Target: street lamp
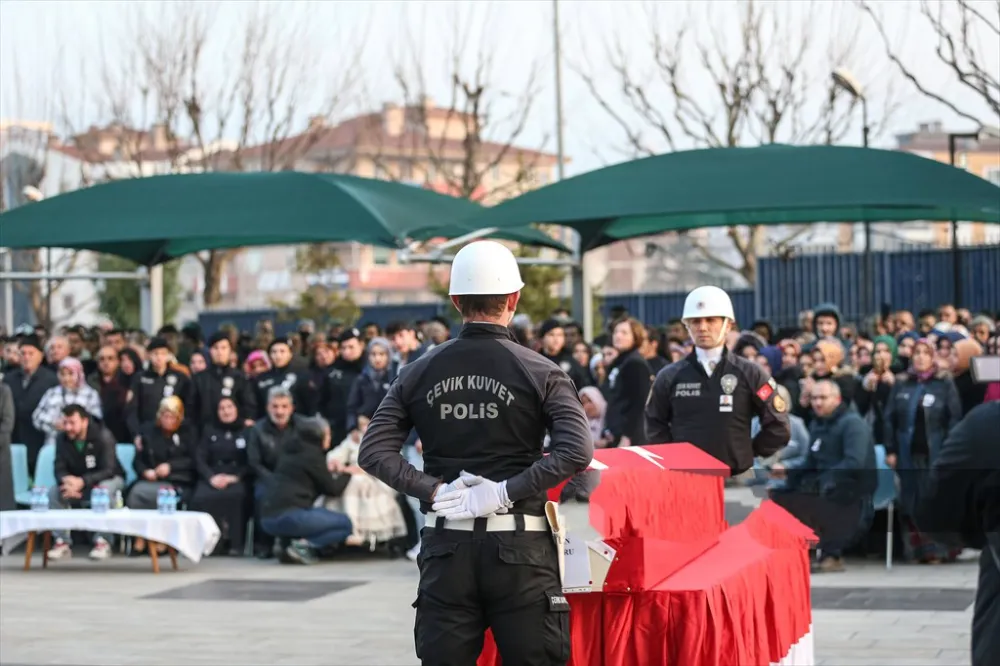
{"points": [[985, 133], [843, 79]]}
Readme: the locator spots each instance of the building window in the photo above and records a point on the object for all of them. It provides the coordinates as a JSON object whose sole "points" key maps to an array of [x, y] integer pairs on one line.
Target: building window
{"points": [[381, 255], [992, 174], [406, 171], [68, 302]]}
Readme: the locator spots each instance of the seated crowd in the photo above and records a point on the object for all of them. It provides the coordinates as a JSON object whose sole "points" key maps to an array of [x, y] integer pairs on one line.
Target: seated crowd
{"points": [[263, 431]]}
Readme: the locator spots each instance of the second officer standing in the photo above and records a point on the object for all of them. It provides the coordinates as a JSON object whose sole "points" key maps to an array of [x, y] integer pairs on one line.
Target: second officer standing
{"points": [[481, 405], [710, 397], [150, 386]]}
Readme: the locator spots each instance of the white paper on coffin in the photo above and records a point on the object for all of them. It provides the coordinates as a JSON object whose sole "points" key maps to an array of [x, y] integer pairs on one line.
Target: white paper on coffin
{"points": [[587, 564]]}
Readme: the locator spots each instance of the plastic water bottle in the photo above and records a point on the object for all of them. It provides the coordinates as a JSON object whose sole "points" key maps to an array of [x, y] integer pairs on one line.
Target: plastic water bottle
{"points": [[162, 500], [119, 500], [103, 500], [172, 500], [40, 499]]}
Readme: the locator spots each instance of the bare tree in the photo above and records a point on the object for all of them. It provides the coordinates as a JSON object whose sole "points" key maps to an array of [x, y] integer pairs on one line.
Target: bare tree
{"points": [[767, 82], [959, 27], [466, 147], [24, 168], [207, 105]]}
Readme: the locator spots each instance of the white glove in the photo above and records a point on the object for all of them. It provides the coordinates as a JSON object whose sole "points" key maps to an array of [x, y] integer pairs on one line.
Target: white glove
{"points": [[454, 486], [480, 498]]}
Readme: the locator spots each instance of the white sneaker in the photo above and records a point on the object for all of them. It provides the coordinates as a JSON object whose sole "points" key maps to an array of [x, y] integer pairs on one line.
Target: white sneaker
{"points": [[60, 551], [101, 550], [412, 553]]}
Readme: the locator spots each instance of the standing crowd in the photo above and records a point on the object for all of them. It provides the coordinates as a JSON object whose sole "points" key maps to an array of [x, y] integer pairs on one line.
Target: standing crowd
{"points": [[263, 432]]}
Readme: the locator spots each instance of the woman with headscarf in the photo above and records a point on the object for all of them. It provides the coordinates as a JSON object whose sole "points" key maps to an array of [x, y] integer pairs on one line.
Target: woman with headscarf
{"points": [[72, 390], [920, 411], [164, 457], [129, 363], [372, 384], [969, 392], [874, 384], [828, 359], [220, 460]]}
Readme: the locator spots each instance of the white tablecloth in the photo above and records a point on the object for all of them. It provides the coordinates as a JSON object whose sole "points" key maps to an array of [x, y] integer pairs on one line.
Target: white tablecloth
{"points": [[192, 533]]}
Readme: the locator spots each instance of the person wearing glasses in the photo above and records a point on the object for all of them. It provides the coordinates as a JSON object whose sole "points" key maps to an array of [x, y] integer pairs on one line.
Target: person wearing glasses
{"points": [[828, 488], [112, 385]]}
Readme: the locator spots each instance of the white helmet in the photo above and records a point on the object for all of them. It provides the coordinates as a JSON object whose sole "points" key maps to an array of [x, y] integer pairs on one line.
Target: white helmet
{"points": [[484, 268], [708, 302]]}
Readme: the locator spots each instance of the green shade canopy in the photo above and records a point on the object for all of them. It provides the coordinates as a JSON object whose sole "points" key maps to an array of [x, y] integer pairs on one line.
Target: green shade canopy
{"points": [[773, 184], [152, 220]]}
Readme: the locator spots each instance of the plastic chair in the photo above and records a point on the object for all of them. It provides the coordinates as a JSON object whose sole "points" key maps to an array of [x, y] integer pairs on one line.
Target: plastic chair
{"points": [[126, 458], [885, 497], [45, 467], [19, 472]]}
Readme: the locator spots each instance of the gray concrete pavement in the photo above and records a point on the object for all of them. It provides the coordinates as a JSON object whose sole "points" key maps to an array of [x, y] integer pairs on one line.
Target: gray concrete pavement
{"points": [[79, 612]]}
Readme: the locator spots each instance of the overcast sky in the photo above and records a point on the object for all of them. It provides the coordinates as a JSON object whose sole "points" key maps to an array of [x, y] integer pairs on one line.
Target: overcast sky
{"points": [[49, 45]]}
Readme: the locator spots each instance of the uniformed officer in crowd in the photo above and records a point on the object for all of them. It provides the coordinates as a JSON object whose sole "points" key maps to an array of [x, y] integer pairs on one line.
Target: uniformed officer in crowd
{"points": [[281, 374], [152, 385], [336, 388], [481, 405], [221, 380], [710, 397]]}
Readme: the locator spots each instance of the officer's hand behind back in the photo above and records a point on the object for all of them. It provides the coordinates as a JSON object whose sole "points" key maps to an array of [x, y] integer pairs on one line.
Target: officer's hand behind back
{"points": [[480, 498]]}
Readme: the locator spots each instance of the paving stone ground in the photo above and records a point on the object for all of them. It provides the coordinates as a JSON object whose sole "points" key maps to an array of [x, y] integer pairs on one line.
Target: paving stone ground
{"points": [[358, 613]]}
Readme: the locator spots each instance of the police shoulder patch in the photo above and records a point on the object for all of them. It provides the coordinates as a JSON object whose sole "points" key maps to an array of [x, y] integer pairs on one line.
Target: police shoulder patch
{"points": [[764, 392], [779, 403]]}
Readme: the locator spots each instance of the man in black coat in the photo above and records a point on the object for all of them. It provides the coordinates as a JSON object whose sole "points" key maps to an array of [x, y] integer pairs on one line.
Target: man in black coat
{"points": [[961, 507], [7, 499], [28, 384]]}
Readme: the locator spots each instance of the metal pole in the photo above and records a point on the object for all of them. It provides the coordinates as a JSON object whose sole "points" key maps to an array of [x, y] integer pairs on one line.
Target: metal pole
{"points": [[868, 283], [582, 304], [8, 288], [560, 167], [48, 289], [106, 275], [956, 258]]}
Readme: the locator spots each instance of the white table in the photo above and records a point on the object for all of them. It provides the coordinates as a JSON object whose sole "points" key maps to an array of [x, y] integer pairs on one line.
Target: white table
{"points": [[191, 533]]}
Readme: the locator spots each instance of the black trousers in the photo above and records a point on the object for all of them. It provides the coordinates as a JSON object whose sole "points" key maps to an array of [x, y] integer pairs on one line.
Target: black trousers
{"points": [[229, 508], [506, 581], [836, 523]]}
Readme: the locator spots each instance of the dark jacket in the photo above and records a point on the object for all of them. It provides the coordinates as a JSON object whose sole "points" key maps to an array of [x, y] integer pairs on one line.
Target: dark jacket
{"points": [[176, 450], [366, 395], [222, 449], [26, 399], [961, 507], [7, 500], [266, 442], [564, 359], [481, 403], [114, 398], [930, 408], [215, 383], [335, 391], [301, 475], [93, 461], [840, 463], [148, 389], [286, 377], [714, 412], [628, 384]]}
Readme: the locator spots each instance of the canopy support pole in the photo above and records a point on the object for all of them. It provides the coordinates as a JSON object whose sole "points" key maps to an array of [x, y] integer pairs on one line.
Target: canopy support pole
{"points": [[151, 299], [524, 261]]}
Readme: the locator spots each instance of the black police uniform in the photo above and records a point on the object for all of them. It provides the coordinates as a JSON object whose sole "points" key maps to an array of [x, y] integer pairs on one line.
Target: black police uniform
{"points": [[482, 403], [215, 383], [714, 412], [286, 377], [148, 390], [335, 390]]}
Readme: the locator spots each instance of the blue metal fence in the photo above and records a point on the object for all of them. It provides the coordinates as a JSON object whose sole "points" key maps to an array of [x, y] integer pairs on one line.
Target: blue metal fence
{"points": [[911, 280], [246, 320]]}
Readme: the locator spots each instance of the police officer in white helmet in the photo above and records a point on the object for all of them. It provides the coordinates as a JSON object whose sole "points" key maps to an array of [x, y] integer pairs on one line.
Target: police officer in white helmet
{"points": [[710, 397], [481, 405]]}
